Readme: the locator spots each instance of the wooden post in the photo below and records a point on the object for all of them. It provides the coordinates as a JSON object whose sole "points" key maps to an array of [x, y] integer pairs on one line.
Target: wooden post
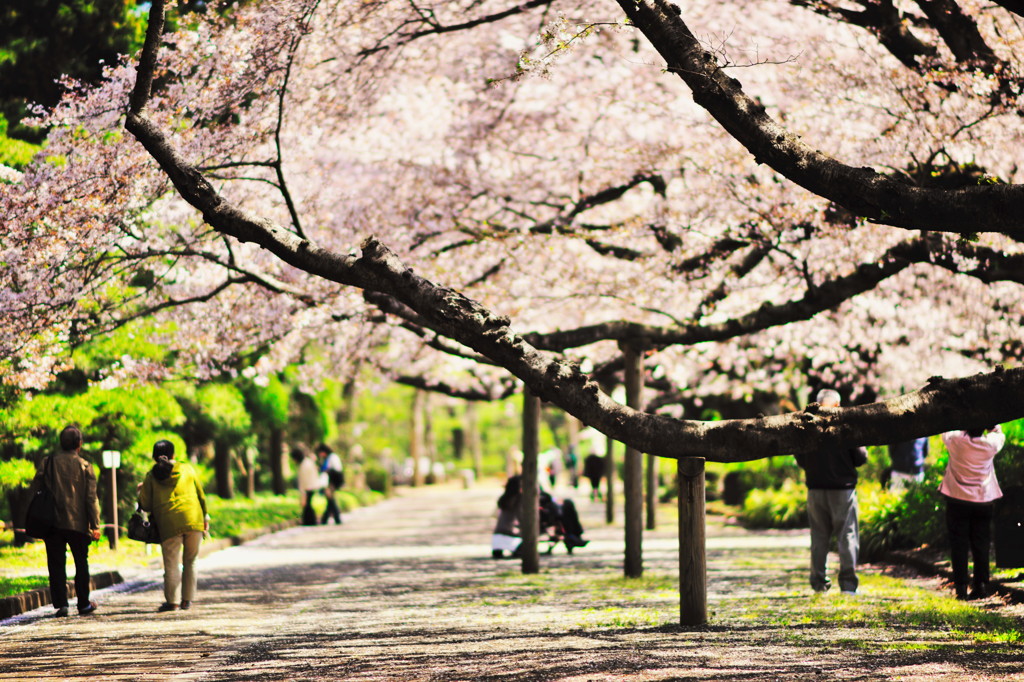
{"points": [[113, 505], [530, 516], [693, 567], [416, 437], [473, 440], [429, 440], [610, 471], [633, 472], [609, 481], [652, 492]]}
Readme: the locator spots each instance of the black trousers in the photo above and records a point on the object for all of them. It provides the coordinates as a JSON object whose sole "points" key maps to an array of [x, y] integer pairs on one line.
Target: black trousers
{"points": [[970, 530], [57, 544], [332, 511]]}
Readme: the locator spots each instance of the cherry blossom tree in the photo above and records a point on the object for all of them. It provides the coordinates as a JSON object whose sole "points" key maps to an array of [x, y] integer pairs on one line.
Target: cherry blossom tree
{"points": [[345, 160]]}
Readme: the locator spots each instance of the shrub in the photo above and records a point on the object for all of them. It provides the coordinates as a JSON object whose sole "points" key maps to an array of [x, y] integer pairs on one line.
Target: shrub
{"points": [[879, 520], [16, 473], [785, 507], [377, 477], [737, 480]]}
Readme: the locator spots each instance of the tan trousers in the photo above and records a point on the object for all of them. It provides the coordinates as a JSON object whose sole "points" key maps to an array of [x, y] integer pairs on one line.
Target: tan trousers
{"points": [[180, 554]]}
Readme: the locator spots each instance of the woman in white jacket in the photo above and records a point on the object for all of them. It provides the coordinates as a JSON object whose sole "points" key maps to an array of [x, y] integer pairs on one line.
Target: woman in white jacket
{"points": [[971, 488]]}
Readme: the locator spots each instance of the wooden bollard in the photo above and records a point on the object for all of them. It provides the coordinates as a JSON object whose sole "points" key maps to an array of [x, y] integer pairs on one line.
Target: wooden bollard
{"points": [[693, 566]]}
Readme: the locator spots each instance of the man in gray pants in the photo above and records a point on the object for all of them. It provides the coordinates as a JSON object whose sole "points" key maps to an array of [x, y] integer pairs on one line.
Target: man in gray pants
{"points": [[831, 474]]}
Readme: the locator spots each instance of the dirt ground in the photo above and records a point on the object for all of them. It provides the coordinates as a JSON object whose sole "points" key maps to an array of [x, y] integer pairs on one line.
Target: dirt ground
{"points": [[407, 590]]}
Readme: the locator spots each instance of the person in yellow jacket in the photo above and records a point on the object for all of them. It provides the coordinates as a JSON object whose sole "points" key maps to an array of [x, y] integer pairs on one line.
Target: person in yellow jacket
{"points": [[174, 498], [73, 483]]}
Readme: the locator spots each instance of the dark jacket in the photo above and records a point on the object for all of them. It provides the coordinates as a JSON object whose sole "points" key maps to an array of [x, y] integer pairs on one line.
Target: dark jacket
{"points": [[833, 467], [908, 457], [73, 484]]}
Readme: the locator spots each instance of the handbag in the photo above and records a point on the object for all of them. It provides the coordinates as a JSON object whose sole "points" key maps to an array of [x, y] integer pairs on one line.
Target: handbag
{"points": [[41, 517], [141, 528]]}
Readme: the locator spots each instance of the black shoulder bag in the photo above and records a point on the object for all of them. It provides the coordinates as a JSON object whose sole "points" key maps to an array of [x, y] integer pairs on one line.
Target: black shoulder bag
{"points": [[41, 517], [142, 529]]}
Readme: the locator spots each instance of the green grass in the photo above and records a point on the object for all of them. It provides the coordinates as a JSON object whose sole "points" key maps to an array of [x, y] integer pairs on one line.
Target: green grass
{"points": [[611, 600], [235, 516], [19, 584], [618, 617], [885, 605]]}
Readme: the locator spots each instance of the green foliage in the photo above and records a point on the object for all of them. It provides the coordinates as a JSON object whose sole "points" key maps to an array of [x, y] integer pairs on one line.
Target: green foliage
{"points": [[378, 478], [878, 518], [16, 473], [15, 153], [136, 339], [236, 516], [41, 40], [347, 500], [11, 585], [224, 406], [1010, 462], [736, 480], [214, 412], [782, 507], [267, 404]]}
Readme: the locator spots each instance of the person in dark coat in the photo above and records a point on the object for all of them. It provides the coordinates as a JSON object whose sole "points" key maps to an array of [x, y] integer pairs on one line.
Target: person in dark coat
{"points": [[73, 483], [593, 471], [831, 475]]}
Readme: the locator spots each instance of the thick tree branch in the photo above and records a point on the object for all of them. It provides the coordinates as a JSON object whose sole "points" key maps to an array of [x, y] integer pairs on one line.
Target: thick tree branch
{"points": [[437, 28], [884, 21], [960, 33], [824, 296], [883, 199], [481, 394]]}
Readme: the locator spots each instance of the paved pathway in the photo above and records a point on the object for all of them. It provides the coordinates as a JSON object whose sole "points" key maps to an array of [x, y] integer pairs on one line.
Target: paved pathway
{"points": [[406, 590]]}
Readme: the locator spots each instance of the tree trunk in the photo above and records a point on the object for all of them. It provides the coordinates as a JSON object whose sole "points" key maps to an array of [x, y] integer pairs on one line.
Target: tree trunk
{"points": [[416, 437], [473, 440], [222, 469], [633, 483], [429, 440], [652, 492], [249, 461], [693, 574], [529, 516], [17, 502], [609, 481], [276, 455]]}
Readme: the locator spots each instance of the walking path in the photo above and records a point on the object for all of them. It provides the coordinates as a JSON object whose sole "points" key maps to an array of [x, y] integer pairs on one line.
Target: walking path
{"points": [[407, 590]]}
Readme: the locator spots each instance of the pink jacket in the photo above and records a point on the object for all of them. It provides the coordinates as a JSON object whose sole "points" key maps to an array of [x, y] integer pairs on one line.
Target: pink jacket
{"points": [[971, 474]]}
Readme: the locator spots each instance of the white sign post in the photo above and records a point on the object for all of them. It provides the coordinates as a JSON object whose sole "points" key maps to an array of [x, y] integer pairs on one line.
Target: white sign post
{"points": [[112, 460]]}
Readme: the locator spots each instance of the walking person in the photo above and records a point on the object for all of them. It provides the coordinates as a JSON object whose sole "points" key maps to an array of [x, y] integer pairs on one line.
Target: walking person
{"points": [[331, 467], [971, 489], [831, 475], [73, 483], [309, 482], [907, 459], [174, 498], [593, 471]]}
